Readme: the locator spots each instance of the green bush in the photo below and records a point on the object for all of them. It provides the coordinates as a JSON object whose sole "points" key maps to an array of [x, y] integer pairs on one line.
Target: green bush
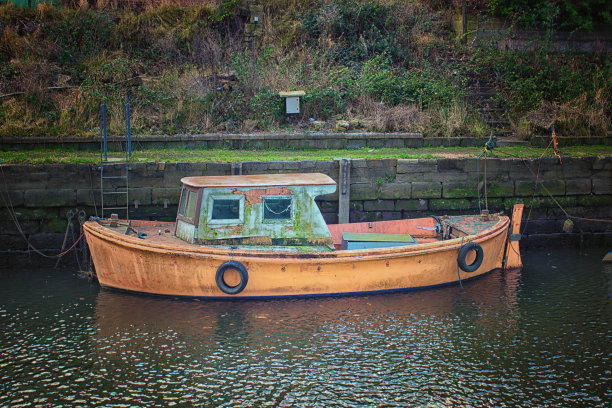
{"points": [[358, 31], [323, 103], [566, 14]]}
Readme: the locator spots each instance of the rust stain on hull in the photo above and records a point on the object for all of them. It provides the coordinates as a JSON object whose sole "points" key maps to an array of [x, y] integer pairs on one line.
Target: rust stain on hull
{"points": [[165, 265]]}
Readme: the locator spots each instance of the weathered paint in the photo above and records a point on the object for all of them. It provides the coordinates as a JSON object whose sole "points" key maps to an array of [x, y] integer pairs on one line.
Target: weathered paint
{"points": [[513, 253], [166, 265], [259, 180], [185, 231], [306, 223]]}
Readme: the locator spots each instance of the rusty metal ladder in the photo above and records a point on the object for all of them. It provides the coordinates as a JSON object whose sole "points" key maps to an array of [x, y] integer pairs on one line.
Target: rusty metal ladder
{"points": [[114, 172]]}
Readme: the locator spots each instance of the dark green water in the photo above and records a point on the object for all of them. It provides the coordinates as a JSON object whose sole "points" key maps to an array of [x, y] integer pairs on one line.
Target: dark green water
{"points": [[540, 337]]}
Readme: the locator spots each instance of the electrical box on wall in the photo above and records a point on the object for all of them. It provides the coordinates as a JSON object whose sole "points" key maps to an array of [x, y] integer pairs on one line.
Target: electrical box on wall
{"points": [[292, 101]]}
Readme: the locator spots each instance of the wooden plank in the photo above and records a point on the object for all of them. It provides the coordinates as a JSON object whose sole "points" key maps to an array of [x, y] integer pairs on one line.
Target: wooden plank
{"points": [[513, 252]]}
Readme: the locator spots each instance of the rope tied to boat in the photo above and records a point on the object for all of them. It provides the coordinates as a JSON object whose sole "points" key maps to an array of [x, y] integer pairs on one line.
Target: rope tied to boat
{"points": [[488, 147], [8, 203], [459, 274]]}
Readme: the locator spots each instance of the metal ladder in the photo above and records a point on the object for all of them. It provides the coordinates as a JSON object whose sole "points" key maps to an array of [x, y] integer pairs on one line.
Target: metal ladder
{"points": [[114, 172]]}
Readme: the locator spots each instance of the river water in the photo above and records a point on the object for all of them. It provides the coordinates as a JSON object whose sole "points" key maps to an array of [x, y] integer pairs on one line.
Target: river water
{"points": [[539, 337]]}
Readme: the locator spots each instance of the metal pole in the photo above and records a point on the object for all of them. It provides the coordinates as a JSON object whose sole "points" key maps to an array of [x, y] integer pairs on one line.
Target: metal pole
{"points": [[104, 131], [129, 129]]}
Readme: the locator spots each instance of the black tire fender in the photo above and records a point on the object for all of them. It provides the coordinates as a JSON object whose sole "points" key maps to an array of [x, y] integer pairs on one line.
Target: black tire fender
{"points": [[464, 251], [244, 277]]}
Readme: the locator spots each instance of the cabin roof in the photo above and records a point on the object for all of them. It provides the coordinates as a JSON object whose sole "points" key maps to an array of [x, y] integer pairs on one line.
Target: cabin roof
{"points": [[259, 180]]}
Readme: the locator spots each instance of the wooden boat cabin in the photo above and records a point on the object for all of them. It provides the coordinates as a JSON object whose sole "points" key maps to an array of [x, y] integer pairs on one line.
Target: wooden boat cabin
{"points": [[260, 210]]}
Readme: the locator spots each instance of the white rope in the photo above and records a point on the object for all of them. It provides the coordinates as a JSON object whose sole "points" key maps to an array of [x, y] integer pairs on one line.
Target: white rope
{"points": [[277, 213]]}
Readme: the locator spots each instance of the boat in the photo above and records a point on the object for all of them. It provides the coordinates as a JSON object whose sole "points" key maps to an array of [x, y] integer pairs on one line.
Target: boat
{"points": [[261, 236]]}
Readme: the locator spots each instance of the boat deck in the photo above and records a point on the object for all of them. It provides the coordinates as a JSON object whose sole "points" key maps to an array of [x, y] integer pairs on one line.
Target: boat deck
{"points": [[421, 229]]}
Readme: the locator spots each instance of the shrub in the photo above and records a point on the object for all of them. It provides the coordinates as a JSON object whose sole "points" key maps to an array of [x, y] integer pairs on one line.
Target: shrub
{"points": [[356, 31]]}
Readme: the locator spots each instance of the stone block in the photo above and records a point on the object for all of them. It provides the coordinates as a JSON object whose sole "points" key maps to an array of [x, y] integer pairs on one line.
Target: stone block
{"points": [[358, 216], [50, 242], [602, 163], [50, 198], [578, 186], [330, 217], [554, 187], [449, 165], [459, 190], [160, 195], [8, 242], [89, 197], [417, 165], [602, 185], [493, 165], [356, 206], [147, 174], [450, 175], [524, 188], [499, 189], [591, 201], [450, 204], [545, 187], [426, 190], [61, 175], [14, 197], [411, 205], [327, 206], [329, 167], [219, 169], [390, 215], [378, 205], [59, 224], [543, 227], [279, 165], [395, 190], [365, 175], [494, 204], [576, 166], [357, 163], [142, 195], [364, 191], [519, 169], [563, 201], [26, 177]]}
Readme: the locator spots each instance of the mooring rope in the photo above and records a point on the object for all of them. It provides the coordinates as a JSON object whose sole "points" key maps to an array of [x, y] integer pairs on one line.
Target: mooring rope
{"points": [[458, 274], [547, 191], [13, 215]]}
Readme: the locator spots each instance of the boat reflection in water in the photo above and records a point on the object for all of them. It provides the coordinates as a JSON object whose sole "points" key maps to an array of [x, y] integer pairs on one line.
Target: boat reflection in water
{"points": [[407, 346], [129, 322]]}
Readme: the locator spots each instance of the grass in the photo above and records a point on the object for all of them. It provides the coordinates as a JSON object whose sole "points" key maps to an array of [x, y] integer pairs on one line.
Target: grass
{"points": [[64, 155], [382, 65]]}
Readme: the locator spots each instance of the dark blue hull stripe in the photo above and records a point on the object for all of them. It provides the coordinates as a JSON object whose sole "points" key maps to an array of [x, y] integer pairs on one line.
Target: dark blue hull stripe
{"points": [[313, 295]]}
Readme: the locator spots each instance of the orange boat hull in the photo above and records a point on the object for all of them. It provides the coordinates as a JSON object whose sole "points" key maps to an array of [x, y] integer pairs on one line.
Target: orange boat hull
{"points": [[128, 263]]}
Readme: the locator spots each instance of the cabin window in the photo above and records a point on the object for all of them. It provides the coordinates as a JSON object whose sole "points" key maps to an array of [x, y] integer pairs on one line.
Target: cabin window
{"points": [[191, 205], [227, 209], [188, 205], [277, 208], [184, 194]]}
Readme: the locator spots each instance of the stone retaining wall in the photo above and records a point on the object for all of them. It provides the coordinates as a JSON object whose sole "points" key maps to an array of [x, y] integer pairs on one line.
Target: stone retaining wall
{"points": [[306, 140], [382, 189]]}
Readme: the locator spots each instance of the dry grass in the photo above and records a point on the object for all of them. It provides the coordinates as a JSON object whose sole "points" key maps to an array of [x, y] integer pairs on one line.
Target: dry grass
{"points": [[581, 116], [383, 118]]}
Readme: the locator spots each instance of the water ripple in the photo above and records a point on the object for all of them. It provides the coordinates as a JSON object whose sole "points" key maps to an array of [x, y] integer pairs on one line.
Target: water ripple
{"points": [[540, 337]]}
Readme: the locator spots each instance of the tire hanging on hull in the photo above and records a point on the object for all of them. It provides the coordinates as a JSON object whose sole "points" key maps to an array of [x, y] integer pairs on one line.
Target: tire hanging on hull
{"points": [[462, 255], [242, 271]]}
